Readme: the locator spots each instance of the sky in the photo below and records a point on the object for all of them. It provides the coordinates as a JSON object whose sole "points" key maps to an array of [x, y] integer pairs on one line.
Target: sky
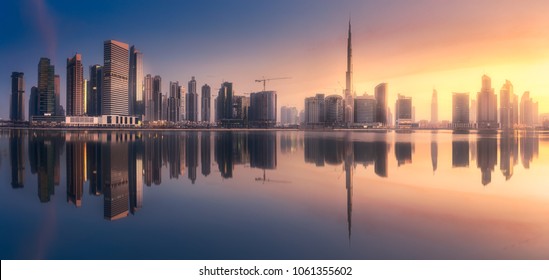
{"points": [[414, 46]]}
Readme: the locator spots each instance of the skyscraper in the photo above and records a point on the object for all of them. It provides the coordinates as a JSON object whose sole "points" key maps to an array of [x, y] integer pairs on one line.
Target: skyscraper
{"points": [[75, 86], [403, 111], [334, 109], [173, 102], [149, 100], [46, 88], [95, 90], [136, 93], [507, 106], [57, 95], [381, 103], [349, 95], [460, 110], [224, 102], [17, 111], [263, 109], [115, 78], [487, 115], [526, 110], [192, 101], [206, 101], [157, 98], [315, 110], [33, 102], [365, 109], [434, 108]]}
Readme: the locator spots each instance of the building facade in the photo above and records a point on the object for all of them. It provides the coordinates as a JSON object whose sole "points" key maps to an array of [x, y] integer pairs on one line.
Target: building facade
{"points": [[487, 115], [136, 102], [17, 107], [192, 101], [263, 108], [460, 111], [115, 78], [205, 102], [75, 86], [381, 104], [365, 109], [403, 112], [46, 88]]}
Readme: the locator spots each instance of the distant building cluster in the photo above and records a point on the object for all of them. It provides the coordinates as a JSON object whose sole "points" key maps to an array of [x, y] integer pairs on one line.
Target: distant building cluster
{"points": [[119, 90]]}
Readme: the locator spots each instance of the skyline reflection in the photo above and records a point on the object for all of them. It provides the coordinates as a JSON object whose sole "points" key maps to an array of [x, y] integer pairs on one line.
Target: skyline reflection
{"points": [[117, 165], [362, 194]]}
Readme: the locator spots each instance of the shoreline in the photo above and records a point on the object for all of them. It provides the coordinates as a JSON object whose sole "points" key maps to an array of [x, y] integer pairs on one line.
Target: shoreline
{"points": [[375, 130]]}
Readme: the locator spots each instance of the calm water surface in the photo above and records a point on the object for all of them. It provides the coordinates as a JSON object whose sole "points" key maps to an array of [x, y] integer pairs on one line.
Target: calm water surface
{"points": [[273, 195]]}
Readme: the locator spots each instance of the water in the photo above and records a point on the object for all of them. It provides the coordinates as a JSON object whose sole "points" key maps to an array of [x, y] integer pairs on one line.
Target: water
{"points": [[273, 195]]}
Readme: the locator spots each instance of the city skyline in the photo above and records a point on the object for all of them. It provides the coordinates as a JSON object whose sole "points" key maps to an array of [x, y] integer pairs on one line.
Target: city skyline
{"points": [[383, 52]]}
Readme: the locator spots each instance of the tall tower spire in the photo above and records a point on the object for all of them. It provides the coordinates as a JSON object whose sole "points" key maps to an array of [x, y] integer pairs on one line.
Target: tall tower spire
{"points": [[349, 103], [349, 73]]}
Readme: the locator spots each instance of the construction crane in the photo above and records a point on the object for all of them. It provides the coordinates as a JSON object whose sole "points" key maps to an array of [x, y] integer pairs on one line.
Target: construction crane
{"points": [[264, 81]]}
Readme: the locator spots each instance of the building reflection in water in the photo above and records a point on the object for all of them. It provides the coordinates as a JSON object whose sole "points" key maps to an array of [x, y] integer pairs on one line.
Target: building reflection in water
{"points": [[262, 150], [17, 158], [487, 156], [529, 147], [135, 165], [508, 150], [116, 165], [460, 151], [114, 154], [174, 145], [191, 153], [223, 154], [205, 152], [44, 159], [403, 152], [434, 151], [76, 166]]}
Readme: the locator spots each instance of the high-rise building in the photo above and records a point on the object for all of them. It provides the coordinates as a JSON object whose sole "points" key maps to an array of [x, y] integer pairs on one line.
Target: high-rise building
{"points": [[75, 86], [224, 102], [164, 116], [157, 98], [57, 95], [86, 97], [528, 110], [507, 106], [460, 110], [136, 93], [206, 101], [46, 88], [315, 110], [173, 102], [349, 95], [263, 109], [487, 107], [192, 101], [334, 109], [241, 109], [149, 100], [33, 103], [473, 112], [288, 115], [365, 109], [95, 90], [434, 108], [115, 78], [403, 111], [381, 103], [17, 107]]}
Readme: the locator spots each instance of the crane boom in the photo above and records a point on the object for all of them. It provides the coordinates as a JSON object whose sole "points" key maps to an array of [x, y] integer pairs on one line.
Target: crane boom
{"points": [[264, 81]]}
